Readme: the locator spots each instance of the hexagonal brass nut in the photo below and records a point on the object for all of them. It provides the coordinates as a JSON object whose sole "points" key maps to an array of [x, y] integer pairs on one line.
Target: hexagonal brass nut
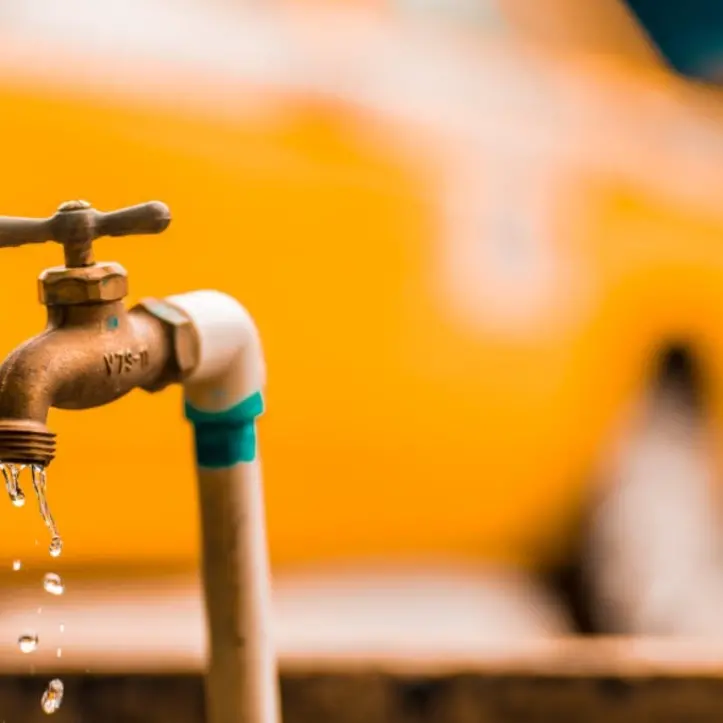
{"points": [[92, 284], [186, 344]]}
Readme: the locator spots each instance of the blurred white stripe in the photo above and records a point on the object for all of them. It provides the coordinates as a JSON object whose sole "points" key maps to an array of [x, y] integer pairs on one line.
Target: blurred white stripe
{"points": [[114, 625]]}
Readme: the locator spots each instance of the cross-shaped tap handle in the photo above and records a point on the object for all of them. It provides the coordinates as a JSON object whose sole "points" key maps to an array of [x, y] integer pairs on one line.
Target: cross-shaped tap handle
{"points": [[76, 225]]}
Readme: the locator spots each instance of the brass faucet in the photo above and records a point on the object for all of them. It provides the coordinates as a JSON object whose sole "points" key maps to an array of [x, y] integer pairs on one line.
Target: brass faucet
{"points": [[93, 350]]}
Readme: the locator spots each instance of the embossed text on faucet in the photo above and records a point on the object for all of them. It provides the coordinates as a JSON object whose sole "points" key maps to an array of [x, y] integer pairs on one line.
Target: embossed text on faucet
{"points": [[124, 361]]}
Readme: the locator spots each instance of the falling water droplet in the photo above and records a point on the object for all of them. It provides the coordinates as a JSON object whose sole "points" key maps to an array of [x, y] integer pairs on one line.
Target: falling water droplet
{"points": [[52, 697], [11, 473], [40, 610], [28, 643], [17, 565], [53, 584], [62, 627], [59, 652], [56, 547], [39, 485]]}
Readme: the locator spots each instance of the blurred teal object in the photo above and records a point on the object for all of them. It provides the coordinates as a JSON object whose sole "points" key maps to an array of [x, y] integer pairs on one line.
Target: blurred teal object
{"points": [[689, 34]]}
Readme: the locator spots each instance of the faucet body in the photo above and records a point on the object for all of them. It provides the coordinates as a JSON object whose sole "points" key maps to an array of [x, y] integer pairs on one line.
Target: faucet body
{"points": [[87, 356], [94, 351]]}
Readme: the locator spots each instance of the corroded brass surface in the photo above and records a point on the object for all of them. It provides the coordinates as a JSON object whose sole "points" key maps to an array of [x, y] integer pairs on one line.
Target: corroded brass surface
{"points": [[93, 350], [99, 282]]}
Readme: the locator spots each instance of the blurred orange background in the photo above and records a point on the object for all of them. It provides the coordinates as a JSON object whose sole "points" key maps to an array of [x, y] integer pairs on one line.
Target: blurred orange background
{"points": [[460, 285]]}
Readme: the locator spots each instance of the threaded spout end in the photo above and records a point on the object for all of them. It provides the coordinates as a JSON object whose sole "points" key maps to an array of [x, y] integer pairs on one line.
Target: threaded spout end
{"points": [[23, 441]]}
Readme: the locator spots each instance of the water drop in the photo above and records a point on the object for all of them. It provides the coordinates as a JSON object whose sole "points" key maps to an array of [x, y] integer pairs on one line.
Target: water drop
{"points": [[53, 584], [17, 565], [56, 547], [28, 643], [11, 473], [59, 652], [40, 610], [39, 485], [62, 627], [52, 697]]}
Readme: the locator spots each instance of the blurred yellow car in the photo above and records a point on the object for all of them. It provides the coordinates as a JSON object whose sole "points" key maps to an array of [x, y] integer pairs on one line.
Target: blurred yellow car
{"points": [[462, 248]]}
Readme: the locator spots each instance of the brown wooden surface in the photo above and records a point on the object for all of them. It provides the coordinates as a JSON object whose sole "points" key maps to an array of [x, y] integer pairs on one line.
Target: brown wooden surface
{"points": [[369, 697]]}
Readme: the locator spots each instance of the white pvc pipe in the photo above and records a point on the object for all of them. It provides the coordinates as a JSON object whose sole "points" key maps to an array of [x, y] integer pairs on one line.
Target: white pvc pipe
{"points": [[242, 682]]}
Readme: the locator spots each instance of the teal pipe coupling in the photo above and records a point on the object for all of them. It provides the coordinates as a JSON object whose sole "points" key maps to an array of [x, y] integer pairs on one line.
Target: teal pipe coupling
{"points": [[224, 439]]}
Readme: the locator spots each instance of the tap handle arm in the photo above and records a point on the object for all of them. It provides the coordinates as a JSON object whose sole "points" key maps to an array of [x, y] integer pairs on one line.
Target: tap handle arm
{"points": [[145, 218], [15, 231], [76, 225]]}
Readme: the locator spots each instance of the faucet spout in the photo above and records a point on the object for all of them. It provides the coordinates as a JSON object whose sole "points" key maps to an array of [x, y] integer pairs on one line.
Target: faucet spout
{"points": [[87, 356]]}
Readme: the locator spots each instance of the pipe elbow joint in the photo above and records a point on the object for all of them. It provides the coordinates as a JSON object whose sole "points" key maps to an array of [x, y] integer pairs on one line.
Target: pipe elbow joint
{"points": [[223, 394]]}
